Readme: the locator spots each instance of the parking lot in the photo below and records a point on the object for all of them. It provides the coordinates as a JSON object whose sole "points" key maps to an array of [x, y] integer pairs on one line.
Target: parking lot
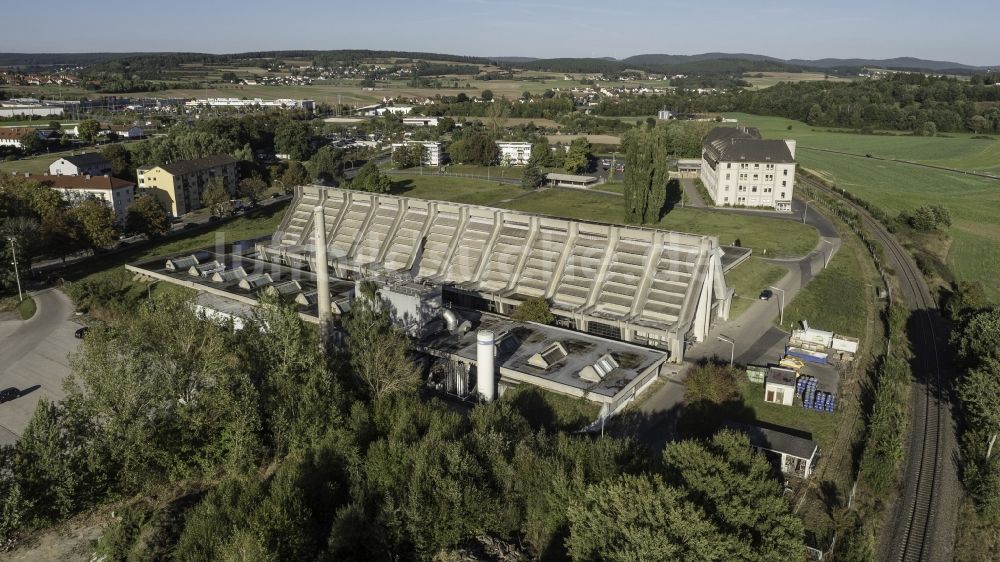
{"points": [[34, 359]]}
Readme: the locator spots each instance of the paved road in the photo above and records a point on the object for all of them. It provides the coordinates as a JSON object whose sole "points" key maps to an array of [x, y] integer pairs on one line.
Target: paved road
{"points": [[34, 359], [754, 333]]}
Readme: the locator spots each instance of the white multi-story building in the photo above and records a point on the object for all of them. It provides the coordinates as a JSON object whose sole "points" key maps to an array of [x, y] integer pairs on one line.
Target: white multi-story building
{"points": [[90, 163], [432, 150], [739, 168], [420, 121], [514, 153], [117, 193]]}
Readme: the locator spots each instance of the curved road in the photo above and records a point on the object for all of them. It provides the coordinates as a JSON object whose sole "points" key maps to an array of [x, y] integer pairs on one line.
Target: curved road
{"points": [[922, 519], [34, 359]]}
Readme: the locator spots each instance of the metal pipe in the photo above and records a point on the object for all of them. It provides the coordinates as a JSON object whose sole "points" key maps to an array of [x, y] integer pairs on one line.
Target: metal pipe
{"points": [[17, 274]]}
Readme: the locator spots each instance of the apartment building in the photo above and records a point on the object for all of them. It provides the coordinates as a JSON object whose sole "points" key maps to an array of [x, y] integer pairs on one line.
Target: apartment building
{"points": [[180, 185], [514, 153], [739, 168], [117, 193], [90, 163], [432, 151]]}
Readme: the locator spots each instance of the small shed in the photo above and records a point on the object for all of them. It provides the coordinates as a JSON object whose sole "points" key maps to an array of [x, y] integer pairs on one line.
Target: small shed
{"points": [[779, 388], [792, 455], [569, 180]]}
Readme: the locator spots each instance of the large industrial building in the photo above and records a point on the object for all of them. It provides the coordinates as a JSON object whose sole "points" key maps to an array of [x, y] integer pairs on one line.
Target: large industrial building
{"points": [[739, 168], [626, 299], [652, 287]]}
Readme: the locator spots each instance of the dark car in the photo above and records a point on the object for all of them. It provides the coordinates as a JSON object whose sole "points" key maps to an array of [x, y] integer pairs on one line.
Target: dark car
{"points": [[8, 394], [81, 332], [189, 225], [766, 295], [215, 218], [868, 155]]}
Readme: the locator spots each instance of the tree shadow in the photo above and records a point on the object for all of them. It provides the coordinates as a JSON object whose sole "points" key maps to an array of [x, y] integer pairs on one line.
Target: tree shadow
{"points": [[401, 187], [674, 194]]}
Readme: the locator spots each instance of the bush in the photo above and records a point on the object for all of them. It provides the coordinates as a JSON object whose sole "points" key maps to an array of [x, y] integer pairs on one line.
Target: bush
{"points": [[533, 309]]}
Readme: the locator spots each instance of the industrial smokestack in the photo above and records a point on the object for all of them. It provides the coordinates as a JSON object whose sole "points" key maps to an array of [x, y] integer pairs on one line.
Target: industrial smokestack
{"points": [[322, 271], [485, 368]]}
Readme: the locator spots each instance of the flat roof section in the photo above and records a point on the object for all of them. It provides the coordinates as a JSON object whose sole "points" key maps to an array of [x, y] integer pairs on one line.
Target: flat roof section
{"points": [[518, 342]]}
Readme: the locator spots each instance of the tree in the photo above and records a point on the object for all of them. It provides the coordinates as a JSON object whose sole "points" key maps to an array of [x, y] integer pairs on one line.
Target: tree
{"points": [[252, 188], [496, 118], [541, 152], [408, 155], [578, 157], [121, 160], [98, 221], [735, 488], [30, 142], [295, 175], [645, 174], [371, 179], [977, 339], [215, 196], [475, 148], [88, 130], [293, 138], [327, 163], [636, 518], [979, 392], [534, 309], [486, 95], [146, 215], [378, 351], [532, 176], [715, 384]]}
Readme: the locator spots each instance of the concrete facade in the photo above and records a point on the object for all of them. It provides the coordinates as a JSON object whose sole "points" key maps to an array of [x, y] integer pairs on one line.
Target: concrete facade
{"points": [[652, 287], [514, 153], [180, 185]]}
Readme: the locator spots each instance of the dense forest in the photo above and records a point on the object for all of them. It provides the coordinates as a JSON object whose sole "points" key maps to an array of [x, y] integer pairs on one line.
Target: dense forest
{"points": [[251, 445]]}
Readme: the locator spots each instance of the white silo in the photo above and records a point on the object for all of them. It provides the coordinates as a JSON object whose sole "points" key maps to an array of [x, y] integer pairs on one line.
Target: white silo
{"points": [[486, 382]]}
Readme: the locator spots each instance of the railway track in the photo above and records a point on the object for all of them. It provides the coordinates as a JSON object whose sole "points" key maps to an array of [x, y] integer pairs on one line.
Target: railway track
{"points": [[912, 528]]}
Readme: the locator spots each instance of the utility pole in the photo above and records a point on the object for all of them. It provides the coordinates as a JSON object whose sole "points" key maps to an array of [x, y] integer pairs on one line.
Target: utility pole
{"points": [[17, 274]]}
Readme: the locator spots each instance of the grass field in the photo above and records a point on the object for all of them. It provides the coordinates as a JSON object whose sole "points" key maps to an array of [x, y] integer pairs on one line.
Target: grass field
{"points": [[778, 237], [974, 202], [749, 279], [833, 299], [26, 308], [759, 80], [458, 190], [39, 164], [594, 139]]}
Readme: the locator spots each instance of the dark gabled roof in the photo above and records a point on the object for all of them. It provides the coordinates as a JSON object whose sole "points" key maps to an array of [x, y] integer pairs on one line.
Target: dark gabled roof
{"points": [[776, 441], [82, 182], [87, 159], [182, 167], [731, 144]]}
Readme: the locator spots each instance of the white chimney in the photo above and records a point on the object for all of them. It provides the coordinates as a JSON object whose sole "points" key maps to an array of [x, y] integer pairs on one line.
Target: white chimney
{"points": [[485, 365], [322, 270]]}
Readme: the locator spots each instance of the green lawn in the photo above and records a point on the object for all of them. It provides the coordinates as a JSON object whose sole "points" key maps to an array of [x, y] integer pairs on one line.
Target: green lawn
{"points": [[458, 190], [974, 202], [767, 236], [835, 299], [749, 279], [39, 164]]}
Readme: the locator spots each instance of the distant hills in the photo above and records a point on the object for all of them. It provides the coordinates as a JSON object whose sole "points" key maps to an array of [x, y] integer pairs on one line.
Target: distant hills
{"points": [[704, 63]]}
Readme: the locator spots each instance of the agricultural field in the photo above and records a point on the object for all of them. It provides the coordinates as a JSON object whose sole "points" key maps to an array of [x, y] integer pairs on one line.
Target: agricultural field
{"points": [[760, 80], [974, 202]]}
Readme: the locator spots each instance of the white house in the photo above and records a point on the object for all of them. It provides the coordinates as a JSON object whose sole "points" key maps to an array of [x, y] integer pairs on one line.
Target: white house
{"points": [[432, 150], [514, 153], [740, 168], [11, 136], [420, 121], [393, 109], [127, 131], [117, 193], [779, 386], [89, 163]]}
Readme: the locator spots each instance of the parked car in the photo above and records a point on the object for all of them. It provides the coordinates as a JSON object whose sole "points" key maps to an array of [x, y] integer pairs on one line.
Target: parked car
{"points": [[80, 333], [8, 394], [766, 295], [189, 225], [215, 218]]}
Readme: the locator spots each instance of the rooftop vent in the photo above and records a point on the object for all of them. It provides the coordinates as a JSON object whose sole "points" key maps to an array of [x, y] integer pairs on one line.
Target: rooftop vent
{"points": [[599, 370], [546, 359]]}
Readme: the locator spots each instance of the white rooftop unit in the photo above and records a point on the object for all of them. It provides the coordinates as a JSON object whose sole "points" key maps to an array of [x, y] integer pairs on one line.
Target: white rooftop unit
{"points": [[599, 370]]}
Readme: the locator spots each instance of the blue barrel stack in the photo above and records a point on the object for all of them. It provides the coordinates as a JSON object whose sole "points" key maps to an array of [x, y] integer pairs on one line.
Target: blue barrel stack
{"points": [[813, 399]]}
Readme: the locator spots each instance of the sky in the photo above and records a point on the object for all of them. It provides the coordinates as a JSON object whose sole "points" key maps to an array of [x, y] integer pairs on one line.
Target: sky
{"points": [[959, 31]]}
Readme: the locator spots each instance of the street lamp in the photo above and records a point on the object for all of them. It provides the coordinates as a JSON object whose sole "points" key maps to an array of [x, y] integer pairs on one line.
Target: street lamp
{"points": [[781, 304], [732, 348], [806, 210], [17, 275], [827, 255]]}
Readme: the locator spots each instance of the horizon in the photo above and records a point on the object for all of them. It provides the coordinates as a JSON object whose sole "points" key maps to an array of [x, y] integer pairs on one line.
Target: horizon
{"points": [[524, 28]]}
